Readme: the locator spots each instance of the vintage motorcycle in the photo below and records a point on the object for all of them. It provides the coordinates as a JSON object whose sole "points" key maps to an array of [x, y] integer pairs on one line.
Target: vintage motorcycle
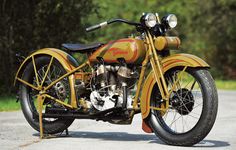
{"points": [[174, 93]]}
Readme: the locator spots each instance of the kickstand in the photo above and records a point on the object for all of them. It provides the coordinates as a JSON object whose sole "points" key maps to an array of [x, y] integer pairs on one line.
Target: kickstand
{"points": [[67, 132], [40, 100]]}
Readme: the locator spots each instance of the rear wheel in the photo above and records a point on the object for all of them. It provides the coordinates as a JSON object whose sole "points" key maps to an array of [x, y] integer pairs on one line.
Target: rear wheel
{"points": [[192, 107], [28, 96]]}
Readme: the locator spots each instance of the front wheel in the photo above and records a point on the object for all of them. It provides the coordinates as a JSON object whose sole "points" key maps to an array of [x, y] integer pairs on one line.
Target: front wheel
{"points": [[192, 107]]}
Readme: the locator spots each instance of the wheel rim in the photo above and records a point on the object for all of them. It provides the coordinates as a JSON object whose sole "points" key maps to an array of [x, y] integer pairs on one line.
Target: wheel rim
{"points": [[186, 103], [54, 73]]}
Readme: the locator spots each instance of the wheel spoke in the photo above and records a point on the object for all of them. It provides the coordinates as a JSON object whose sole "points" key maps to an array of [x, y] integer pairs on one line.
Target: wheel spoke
{"points": [[27, 83], [40, 76], [197, 106], [182, 123], [186, 123], [175, 83], [193, 85], [188, 83], [166, 114], [35, 71], [173, 118], [197, 94], [46, 73], [188, 90], [194, 117], [187, 102]]}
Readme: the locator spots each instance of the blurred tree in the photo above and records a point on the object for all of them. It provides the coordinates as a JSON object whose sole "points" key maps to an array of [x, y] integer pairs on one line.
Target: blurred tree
{"points": [[32, 24], [107, 9], [216, 22], [207, 28]]}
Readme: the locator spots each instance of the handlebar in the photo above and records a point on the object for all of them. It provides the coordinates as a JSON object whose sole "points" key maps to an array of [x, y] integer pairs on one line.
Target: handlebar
{"points": [[97, 26], [103, 24]]}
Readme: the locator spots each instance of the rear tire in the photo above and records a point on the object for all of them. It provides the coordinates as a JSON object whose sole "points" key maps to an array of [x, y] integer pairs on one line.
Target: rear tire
{"points": [[28, 105], [206, 120]]}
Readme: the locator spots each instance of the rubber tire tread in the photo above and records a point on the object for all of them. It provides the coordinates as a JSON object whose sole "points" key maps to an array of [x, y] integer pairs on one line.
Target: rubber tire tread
{"points": [[48, 127], [206, 121]]}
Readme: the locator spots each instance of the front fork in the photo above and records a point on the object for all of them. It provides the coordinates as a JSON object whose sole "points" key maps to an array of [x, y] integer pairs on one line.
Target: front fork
{"points": [[153, 58], [158, 72], [157, 68]]}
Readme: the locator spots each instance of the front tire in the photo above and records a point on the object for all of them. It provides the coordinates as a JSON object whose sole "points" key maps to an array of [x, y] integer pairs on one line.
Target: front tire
{"points": [[184, 107]]}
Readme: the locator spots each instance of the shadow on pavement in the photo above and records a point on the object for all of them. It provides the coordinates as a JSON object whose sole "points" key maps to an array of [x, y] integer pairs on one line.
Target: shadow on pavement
{"points": [[124, 136], [109, 136], [114, 136], [212, 143], [205, 144]]}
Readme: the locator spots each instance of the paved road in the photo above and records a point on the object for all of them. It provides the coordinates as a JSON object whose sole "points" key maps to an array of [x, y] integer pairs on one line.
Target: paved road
{"points": [[15, 133]]}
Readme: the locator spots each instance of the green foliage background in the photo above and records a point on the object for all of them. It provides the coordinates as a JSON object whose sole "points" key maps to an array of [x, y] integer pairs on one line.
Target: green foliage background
{"points": [[207, 28]]}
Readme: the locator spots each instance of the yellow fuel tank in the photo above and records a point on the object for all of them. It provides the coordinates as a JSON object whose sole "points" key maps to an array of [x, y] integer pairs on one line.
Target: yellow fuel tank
{"points": [[131, 49]]}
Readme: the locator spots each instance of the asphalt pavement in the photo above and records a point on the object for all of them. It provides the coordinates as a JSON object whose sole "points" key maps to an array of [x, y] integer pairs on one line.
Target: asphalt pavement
{"points": [[15, 133]]}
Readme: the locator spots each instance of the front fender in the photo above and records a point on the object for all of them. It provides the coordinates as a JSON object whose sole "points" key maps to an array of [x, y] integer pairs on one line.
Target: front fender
{"points": [[66, 60], [167, 64]]}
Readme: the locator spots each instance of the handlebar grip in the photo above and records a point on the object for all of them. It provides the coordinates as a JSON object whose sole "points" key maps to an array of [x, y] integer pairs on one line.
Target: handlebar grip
{"points": [[92, 28], [97, 26]]}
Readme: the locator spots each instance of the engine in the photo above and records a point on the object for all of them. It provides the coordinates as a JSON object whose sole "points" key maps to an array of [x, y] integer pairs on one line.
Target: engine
{"points": [[107, 86]]}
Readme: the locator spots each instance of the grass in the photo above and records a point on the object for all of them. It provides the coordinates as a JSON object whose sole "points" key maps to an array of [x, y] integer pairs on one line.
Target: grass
{"points": [[9, 103], [226, 84]]}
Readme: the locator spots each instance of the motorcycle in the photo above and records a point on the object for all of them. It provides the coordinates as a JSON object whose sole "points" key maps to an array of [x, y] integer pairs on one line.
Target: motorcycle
{"points": [[174, 93]]}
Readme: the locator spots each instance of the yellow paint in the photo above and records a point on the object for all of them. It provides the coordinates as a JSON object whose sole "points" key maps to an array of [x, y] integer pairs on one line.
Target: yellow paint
{"points": [[58, 101], [140, 81], [182, 60], [66, 75], [35, 71], [175, 83], [28, 84], [72, 91], [83, 76], [60, 55], [111, 52], [132, 50], [167, 63], [157, 68], [166, 42], [40, 100], [46, 73], [72, 85]]}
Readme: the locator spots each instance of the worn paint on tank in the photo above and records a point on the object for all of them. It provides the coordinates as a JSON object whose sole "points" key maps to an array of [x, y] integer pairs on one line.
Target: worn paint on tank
{"points": [[132, 50]]}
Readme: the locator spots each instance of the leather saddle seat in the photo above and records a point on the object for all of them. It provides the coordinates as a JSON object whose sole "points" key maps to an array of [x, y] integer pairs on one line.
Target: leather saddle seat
{"points": [[82, 48]]}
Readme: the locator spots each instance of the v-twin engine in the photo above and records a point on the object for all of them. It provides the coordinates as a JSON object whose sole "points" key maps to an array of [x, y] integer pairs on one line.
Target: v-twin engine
{"points": [[110, 87]]}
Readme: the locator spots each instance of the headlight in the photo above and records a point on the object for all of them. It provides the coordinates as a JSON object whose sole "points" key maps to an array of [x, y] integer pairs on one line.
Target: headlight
{"points": [[170, 21], [150, 20]]}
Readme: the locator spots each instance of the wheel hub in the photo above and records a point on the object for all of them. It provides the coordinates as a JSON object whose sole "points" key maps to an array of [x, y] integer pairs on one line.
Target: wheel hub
{"points": [[60, 90], [183, 101]]}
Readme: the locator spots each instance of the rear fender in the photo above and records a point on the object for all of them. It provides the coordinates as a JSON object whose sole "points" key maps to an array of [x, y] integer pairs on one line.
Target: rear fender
{"points": [[66, 60], [177, 60]]}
